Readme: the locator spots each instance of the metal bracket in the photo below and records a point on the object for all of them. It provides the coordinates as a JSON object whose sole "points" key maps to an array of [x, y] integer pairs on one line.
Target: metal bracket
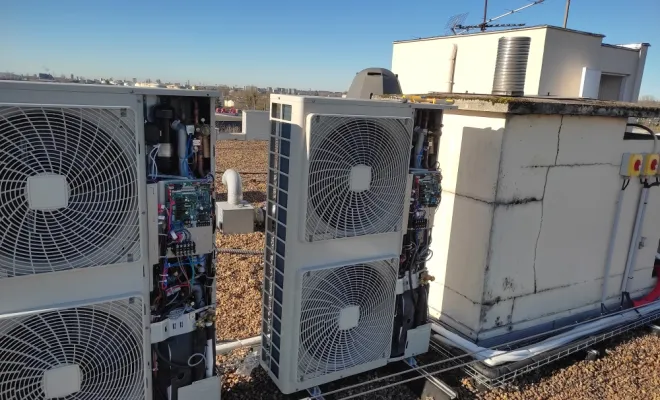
{"points": [[186, 323], [434, 384], [412, 363], [315, 393], [163, 330]]}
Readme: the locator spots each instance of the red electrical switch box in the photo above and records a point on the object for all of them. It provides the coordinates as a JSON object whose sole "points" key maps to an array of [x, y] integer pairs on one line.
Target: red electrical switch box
{"points": [[631, 164], [651, 164]]}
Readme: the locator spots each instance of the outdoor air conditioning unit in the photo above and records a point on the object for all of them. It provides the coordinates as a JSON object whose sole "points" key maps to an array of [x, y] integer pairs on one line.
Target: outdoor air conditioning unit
{"points": [[75, 259], [338, 199], [72, 294]]}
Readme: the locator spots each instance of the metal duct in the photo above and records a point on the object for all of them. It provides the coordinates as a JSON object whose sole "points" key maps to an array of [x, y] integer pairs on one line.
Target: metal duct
{"points": [[511, 66]]}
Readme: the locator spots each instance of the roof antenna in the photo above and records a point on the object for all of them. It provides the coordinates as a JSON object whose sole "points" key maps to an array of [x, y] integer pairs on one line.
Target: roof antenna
{"points": [[459, 28], [568, 6]]}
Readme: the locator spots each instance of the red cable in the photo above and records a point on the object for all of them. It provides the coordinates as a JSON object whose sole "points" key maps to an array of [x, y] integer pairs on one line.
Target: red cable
{"points": [[654, 294]]}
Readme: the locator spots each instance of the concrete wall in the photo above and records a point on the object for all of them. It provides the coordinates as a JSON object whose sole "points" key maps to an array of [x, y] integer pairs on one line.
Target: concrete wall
{"points": [[423, 66], [566, 53], [526, 245], [469, 154], [256, 124], [622, 61]]}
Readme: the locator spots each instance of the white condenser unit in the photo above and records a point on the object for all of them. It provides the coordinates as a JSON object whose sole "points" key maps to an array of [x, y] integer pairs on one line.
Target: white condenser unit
{"points": [[76, 281], [338, 198]]}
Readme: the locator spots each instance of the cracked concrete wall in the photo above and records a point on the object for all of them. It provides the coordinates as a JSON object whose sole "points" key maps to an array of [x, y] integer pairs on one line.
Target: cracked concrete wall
{"points": [[528, 245], [470, 155]]}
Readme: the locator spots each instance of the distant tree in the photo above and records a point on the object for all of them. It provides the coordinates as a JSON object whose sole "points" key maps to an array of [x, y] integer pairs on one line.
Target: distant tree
{"points": [[251, 98], [158, 81]]}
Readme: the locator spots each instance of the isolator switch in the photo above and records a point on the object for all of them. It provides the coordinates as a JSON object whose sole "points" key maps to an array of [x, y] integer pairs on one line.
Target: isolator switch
{"points": [[631, 164], [651, 164]]}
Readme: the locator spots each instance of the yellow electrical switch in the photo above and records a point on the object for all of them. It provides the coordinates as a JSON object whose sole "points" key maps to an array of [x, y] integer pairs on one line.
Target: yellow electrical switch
{"points": [[631, 164], [651, 164]]}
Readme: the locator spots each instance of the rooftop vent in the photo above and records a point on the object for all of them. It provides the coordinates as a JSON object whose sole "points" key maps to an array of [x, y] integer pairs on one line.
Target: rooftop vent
{"points": [[511, 66], [373, 81]]}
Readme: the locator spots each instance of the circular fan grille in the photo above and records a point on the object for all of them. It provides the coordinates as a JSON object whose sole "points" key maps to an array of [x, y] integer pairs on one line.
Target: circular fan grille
{"points": [[339, 145], [93, 153], [325, 346], [103, 341]]}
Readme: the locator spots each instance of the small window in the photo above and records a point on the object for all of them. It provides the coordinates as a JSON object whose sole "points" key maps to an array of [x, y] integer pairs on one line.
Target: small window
{"points": [[275, 110], [286, 112]]}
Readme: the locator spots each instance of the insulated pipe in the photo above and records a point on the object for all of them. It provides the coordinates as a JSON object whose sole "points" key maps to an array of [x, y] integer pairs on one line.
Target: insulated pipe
{"points": [[492, 357], [419, 146], [224, 348], [634, 241], [181, 140], [452, 68], [232, 180], [610, 246]]}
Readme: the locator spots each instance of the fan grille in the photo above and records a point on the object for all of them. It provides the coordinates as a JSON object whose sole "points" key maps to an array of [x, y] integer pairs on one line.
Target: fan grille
{"points": [[104, 340], [341, 145], [324, 345], [93, 152]]}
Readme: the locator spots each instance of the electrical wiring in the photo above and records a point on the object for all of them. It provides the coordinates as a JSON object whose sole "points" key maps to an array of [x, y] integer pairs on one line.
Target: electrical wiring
{"points": [[169, 363], [201, 360], [152, 158]]}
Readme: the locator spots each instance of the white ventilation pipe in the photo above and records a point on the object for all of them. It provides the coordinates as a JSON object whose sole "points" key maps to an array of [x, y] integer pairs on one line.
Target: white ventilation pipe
{"points": [[452, 68], [493, 358], [232, 180]]}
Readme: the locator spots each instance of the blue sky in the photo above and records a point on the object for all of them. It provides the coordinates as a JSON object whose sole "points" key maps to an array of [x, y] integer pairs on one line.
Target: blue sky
{"points": [[288, 43]]}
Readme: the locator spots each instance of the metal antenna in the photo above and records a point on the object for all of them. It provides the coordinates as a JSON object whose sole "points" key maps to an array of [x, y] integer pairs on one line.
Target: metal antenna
{"points": [[454, 21], [487, 23]]}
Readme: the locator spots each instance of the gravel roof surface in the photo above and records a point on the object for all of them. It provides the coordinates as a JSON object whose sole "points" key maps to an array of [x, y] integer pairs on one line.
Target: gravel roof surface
{"points": [[629, 370]]}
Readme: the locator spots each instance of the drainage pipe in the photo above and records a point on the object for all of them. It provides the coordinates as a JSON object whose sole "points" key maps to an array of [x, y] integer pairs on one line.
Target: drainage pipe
{"points": [[224, 348], [634, 240], [610, 246], [452, 68], [232, 180], [492, 357]]}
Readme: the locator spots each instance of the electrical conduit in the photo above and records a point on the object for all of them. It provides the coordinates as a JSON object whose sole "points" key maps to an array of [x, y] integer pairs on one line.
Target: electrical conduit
{"points": [[610, 246], [634, 240]]}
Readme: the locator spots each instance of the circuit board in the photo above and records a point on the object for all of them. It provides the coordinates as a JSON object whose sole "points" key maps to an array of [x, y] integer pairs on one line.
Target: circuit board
{"points": [[430, 190], [190, 204]]}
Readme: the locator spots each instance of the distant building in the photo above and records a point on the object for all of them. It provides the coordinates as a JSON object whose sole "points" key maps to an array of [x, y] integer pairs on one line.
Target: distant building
{"points": [[149, 84], [562, 63]]}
